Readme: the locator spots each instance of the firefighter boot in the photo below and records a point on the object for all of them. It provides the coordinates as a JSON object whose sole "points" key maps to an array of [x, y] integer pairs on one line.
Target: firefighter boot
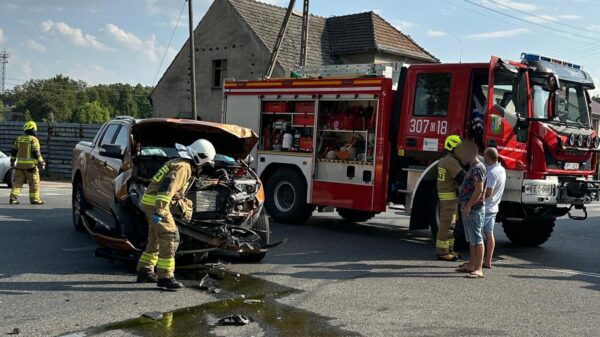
{"points": [[450, 257], [169, 283], [37, 202], [146, 276], [14, 200]]}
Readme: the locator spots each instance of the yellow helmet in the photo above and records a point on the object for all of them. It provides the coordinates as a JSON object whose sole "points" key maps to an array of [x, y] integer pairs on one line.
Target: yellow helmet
{"points": [[30, 126], [452, 142]]}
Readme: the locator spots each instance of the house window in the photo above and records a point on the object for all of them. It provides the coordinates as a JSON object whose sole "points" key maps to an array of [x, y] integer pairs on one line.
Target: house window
{"points": [[432, 95], [219, 72]]}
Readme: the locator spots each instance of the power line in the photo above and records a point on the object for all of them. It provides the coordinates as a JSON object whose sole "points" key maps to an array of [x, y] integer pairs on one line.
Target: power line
{"points": [[169, 45], [529, 22], [562, 38]]}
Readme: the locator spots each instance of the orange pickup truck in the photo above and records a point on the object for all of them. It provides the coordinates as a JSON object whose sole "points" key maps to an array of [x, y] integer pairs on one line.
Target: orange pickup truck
{"points": [[110, 175]]}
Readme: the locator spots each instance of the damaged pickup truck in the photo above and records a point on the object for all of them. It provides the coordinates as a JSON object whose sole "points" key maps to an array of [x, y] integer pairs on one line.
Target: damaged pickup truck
{"points": [[111, 173]]}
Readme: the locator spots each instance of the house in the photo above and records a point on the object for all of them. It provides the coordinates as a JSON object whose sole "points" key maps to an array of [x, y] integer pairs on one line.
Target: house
{"points": [[235, 39]]}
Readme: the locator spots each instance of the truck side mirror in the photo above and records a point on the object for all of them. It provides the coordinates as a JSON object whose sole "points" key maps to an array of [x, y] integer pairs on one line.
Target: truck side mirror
{"points": [[552, 83], [111, 151], [522, 123]]}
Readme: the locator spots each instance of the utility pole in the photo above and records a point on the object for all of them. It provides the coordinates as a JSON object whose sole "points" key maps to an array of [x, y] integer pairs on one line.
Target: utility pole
{"points": [[280, 37], [3, 60], [192, 60], [304, 37]]}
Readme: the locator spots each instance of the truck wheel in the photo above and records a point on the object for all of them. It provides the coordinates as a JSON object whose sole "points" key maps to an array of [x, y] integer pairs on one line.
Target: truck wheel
{"points": [[286, 197], [79, 206], [9, 178], [262, 226], [352, 215], [530, 233], [460, 240]]}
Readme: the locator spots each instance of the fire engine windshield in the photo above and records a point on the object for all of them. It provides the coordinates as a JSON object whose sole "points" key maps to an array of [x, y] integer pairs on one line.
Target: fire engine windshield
{"points": [[570, 105]]}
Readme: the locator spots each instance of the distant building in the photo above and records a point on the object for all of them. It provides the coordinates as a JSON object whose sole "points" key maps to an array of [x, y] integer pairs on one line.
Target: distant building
{"points": [[236, 37]]}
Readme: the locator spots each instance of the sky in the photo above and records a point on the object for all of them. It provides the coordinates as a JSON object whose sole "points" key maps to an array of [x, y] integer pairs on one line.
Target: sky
{"points": [[107, 41]]}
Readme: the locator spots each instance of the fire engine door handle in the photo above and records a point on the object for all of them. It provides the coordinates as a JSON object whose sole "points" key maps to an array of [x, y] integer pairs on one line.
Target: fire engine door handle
{"points": [[350, 172]]}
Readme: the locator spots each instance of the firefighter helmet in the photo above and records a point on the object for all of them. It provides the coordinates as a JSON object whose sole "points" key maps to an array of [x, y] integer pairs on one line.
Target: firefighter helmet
{"points": [[452, 142], [200, 152], [30, 126]]}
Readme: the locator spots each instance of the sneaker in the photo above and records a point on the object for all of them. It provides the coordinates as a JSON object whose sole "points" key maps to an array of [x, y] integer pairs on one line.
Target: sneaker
{"points": [[448, 257], [146, 276], [37, 202], [169, 283]]}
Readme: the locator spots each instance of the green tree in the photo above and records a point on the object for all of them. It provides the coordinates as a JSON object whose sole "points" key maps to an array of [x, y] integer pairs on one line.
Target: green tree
{"points": [[91, 113]]}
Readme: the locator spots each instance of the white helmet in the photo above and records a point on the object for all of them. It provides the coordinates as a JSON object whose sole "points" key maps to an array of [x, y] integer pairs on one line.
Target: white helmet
{"points": [[200, 152]]}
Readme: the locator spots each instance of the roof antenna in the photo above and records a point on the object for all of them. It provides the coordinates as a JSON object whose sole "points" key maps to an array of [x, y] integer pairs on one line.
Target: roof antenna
{"points": [[460, 46]]}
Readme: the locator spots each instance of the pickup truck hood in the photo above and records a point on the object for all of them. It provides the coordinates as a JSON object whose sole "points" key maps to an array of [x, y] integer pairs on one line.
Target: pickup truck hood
{"points": [[230, 140]]}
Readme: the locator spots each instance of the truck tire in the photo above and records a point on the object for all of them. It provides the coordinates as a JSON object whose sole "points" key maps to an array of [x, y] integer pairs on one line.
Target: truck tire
{"points": [[352, 215], [460, 240], [8, 178], [262, 226], [534, 232], [78, 206], [286, 192]]}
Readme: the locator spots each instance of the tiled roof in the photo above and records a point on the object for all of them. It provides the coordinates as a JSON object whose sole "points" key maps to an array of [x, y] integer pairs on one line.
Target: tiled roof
{"points": [[368, 31], [265, 20], [327, 38]]}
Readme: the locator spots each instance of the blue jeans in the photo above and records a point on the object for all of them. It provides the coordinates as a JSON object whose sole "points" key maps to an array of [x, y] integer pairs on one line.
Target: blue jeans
{"points": [[473, 225], [490, 220]]}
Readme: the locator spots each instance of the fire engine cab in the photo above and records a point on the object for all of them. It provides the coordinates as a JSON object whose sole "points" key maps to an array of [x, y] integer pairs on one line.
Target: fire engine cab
{"points": [[365, 136]]}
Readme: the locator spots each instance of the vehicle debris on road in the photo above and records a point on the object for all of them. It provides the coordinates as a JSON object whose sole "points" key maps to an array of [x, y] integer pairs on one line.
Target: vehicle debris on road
{"points": [[235, 320], [154, 315]]}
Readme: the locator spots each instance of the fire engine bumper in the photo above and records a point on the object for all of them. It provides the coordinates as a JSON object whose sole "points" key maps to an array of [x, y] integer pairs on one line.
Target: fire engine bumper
{"points": [[567, 192]]}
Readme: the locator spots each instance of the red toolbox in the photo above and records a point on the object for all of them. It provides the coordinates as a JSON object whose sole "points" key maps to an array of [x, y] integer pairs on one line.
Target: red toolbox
{"points": [[275, 107], [304, 119], [305, 107]]}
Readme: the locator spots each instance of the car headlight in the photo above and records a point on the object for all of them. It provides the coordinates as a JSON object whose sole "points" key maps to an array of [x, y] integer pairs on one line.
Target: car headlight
{"points": [[580, 140], [588, 141], [572, 139], [540, 190]]}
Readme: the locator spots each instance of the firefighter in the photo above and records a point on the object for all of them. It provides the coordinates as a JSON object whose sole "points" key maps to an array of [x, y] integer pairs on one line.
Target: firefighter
{"points": [[26, 157], [450, 176], [168, 186]]}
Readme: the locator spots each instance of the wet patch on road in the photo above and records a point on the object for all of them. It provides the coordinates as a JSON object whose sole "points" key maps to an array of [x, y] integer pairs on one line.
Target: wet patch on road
{"points": [[243, 295]]}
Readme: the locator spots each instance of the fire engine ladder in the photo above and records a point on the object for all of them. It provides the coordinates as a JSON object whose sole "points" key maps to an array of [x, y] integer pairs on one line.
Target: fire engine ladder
{"points": [[367, 69]]}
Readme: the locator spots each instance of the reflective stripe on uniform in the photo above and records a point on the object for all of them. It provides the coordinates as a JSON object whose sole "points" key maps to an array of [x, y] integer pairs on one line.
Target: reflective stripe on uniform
{"points": [[150, 259], [450, 243], [160, 174], [442, 244], [168, 264], [447, 196], [163, 197], [148, 199]]}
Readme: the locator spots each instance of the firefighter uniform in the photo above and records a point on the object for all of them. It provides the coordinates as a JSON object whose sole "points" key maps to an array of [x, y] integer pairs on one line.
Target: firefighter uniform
{"points": [[168, 185], [27, 156], [449, 168]]}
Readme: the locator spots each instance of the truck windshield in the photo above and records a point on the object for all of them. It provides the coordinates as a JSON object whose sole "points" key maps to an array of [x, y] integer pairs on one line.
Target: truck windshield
{"points": [[570, 104]]}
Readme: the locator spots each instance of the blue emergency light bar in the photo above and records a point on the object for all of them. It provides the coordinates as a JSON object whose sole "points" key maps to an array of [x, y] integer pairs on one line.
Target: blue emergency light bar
{"points": [[533, 57]]}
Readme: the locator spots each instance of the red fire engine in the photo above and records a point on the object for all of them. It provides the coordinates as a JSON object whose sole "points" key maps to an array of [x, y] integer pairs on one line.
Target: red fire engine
{"points": [[358, 143]]}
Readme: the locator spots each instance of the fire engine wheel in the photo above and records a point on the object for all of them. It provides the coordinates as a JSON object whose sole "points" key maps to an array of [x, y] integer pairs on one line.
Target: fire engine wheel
{"points": [[534, 232], [460, 240], [352, 215], [78, 207], [286, 197]]}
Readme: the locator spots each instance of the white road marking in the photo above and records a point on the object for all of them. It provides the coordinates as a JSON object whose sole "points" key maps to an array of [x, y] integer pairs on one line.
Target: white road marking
{"points": [[552, 269]]}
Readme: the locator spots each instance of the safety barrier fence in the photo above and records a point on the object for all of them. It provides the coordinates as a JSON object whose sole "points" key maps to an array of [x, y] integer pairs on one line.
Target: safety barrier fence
{"points": [[57, 142]]}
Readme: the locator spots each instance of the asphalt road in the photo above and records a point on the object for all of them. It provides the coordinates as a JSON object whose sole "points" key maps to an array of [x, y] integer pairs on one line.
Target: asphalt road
{"points": [[330, 279]]}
